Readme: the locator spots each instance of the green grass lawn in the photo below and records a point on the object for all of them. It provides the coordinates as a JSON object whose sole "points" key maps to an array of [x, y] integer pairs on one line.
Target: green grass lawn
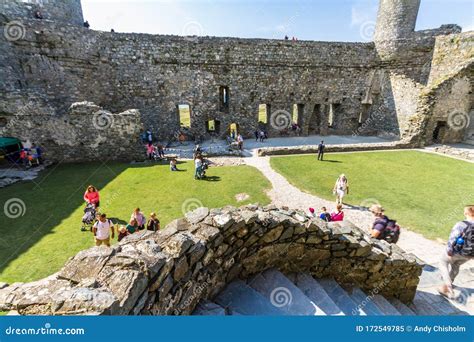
{"points": [[423, 192], [38, 243]]}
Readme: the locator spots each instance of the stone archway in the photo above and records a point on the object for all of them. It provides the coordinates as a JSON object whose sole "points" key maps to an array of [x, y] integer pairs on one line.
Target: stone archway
{"points": [[193, 258]]}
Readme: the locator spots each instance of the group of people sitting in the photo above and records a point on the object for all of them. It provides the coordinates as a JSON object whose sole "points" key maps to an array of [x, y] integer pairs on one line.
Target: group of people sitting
{"points": [[155, 152], [31, 156], [337, 215], [104, 229]]}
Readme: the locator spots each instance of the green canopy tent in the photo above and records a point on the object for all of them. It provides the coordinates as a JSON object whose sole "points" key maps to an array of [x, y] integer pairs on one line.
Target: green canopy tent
{"points": [[10, 148]]}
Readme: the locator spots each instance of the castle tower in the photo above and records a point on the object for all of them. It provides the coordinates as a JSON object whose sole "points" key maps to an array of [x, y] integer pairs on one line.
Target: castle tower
{"points": [[396, 19], [62, 11]]}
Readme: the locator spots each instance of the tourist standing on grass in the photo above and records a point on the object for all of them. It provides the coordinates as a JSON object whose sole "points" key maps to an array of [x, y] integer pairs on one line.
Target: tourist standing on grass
{"points": [[321, 148], [153, 223], [341, 188], [197, 167], [102, 230], [338, 215], [91, 196], [460, 249], [139, 217], [383, 228]]}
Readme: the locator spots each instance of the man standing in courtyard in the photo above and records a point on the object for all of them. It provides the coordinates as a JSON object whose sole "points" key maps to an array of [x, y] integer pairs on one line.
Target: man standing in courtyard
{"points": [[102, 230], [460, 249], [321, 148]]}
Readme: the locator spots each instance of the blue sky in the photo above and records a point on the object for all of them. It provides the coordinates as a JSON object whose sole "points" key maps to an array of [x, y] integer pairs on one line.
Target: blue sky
{"points": [[326, 20]]}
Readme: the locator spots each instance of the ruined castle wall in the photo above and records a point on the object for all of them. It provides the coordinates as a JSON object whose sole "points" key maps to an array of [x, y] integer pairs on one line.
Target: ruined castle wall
{"points": [[85, 133], [63, 11], [451, 53], [192, 259], [157, 73]]}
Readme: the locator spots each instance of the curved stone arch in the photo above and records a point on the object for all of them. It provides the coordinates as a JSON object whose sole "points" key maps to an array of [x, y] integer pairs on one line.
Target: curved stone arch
{"points": [[169, 272]]}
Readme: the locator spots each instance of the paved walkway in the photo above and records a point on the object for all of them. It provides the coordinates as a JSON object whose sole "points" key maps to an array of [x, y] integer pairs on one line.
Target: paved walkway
{"points": [[285, 194]]}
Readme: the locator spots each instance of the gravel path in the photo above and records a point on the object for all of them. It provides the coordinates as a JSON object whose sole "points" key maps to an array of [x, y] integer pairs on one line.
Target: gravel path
{"points": [[285, 194]]}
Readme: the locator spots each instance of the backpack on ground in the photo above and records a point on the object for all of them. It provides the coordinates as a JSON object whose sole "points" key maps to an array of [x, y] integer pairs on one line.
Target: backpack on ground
{"points": [[467, 248]]}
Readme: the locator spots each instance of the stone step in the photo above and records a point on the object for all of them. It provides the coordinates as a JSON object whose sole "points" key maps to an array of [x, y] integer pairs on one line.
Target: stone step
{"points": [[341, 298], [421, 307], [402, 308], [365, 302], [206, 308], [315, 292], [239, 298], [436, 301], [284, 294], [385, 306]]}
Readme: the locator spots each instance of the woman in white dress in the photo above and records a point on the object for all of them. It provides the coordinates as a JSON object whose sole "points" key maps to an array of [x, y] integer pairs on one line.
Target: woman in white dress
{"points": [[341, 188]]}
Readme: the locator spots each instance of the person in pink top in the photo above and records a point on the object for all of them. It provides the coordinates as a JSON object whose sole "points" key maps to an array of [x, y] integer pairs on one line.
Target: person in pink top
{"points": [[139, 217], [149, 150], [91, 196], [338, 215]]}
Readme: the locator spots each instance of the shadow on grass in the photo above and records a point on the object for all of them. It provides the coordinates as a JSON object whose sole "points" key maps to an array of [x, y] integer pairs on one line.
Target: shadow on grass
{"points": [[38, 211]]}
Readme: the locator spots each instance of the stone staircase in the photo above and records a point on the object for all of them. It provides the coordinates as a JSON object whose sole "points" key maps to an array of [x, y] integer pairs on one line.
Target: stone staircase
{"points": [[271, 293]]}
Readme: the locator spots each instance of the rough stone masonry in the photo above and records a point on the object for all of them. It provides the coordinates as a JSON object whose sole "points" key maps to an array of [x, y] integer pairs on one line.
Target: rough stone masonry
{"points": [[407, 84], [193, 258]]}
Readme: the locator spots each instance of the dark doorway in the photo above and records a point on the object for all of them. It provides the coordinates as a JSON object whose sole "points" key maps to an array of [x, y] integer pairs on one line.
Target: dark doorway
{"points": [[439, 132], [314, 126]]}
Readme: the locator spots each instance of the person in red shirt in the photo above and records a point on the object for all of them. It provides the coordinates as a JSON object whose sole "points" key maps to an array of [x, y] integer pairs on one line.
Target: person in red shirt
{"points": [[338, 215], [91, 196]]}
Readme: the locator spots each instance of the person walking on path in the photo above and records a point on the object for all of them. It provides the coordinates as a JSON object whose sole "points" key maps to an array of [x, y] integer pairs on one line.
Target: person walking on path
{"points": [[321, 148], [460, 249], [102, 230], [341, 188]]}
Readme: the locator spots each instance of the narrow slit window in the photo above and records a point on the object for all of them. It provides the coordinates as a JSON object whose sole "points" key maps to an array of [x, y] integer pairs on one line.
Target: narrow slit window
{"points": [[224, 98]]}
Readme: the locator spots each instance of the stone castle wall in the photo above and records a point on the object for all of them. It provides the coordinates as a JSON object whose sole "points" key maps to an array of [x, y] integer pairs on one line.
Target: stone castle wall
{"points": [[169, 272], [63, 11], [86, 132], [367, 88]]}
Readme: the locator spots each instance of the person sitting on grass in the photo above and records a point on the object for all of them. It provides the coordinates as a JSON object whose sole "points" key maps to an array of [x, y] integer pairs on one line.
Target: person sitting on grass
{"points": [[139, 218], [338, 215], [153, 223], [91, 196], [102, 230], [325, 215], [173, 165], [132, 226], [460, 249], [122, 232]]}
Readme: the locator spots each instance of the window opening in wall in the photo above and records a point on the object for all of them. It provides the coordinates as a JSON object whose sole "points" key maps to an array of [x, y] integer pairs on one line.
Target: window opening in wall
{"points": [[263, 113], [224, 98], [184, 112], [331, 115]]}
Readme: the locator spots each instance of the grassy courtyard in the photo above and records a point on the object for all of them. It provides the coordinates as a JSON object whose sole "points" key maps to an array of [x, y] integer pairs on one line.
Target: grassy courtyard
{"points": [[424, 192], [38, 243]]}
